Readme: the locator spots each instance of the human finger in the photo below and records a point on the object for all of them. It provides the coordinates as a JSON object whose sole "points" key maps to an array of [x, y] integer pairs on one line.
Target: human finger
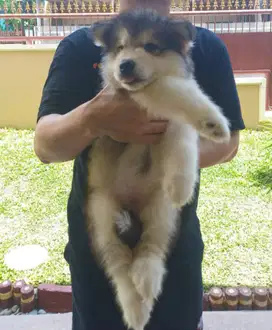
{"points": [[154, 128]]}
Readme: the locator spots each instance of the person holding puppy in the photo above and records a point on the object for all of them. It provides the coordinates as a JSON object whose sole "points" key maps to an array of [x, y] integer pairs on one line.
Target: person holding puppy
{"points": [[73, 112]]}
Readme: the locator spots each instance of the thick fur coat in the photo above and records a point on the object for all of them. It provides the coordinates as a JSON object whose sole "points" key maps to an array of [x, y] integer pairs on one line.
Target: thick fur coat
{"points": [[149, 56]]}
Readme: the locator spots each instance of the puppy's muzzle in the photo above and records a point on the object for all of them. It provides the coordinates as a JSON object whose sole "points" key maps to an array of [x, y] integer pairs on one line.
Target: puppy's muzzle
{"points": [[128, 73], [127, 68]]}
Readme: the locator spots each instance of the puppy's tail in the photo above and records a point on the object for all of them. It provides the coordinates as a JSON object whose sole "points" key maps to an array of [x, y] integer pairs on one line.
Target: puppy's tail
{"points": [[129, 228]]}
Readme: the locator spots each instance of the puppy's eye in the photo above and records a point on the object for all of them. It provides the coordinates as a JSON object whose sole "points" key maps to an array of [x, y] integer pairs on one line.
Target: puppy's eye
{"points": [[152, 48], [119, 48]]}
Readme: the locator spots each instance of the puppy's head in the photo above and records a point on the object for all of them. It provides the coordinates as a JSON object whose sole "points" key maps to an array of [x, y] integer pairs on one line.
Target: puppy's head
{"points": [[141, 45]]}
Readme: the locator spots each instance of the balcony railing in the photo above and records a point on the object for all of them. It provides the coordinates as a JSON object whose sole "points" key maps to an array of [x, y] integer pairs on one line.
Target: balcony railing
{"points": [[50, 21]]}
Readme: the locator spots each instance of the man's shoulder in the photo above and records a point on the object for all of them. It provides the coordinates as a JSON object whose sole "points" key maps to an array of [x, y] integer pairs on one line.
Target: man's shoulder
{"points": [[206, 33], [81, 42], [207, 43], [79, 36], [208, 37]]}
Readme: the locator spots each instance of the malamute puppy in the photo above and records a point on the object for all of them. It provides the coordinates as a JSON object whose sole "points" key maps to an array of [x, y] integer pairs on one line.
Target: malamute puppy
{"points": [[149, 56]]}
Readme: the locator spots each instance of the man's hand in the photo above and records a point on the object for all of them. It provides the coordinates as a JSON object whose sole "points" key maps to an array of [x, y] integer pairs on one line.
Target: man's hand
{"points": [[118, 116], [61, 138]]}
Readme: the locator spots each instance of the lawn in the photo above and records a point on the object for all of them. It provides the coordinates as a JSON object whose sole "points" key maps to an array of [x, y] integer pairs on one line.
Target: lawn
{"points": [[235, 209]]}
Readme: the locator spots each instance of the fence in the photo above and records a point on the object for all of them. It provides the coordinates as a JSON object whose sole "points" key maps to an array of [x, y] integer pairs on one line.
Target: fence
{"points": [[50, 21]]}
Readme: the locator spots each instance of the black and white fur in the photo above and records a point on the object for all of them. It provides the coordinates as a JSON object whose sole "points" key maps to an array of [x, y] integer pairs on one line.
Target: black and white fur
{"points": [[149, 56]]}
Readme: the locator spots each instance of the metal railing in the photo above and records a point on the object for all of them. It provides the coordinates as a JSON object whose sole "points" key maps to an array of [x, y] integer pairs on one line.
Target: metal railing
{"points": [[49, 22]]}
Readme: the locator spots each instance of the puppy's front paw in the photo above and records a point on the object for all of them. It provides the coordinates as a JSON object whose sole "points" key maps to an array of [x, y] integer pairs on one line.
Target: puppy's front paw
{"points": [[217, 132], [215, 127], [147, 275]]}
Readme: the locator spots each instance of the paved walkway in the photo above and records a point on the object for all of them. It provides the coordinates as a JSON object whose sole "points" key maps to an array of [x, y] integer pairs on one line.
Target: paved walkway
{"points": [[213, 321]]}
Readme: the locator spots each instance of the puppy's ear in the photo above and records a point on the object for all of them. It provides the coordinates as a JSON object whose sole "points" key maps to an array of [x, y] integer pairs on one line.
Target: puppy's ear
{"points": [[185, 29], [103, 33], [185, 33]]}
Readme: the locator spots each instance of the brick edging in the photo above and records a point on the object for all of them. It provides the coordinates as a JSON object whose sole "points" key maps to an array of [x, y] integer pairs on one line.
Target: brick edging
{"points": [[237, 298], [51, 298], [54, 298]]}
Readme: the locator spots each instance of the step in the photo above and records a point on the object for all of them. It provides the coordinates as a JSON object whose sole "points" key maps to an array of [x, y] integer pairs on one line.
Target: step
{"points": [[257, 320]]}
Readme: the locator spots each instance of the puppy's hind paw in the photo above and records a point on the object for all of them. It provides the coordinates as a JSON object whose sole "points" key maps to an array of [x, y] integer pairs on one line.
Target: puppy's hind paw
{"points": [[180, 189], [136, 314], [147, 275]]}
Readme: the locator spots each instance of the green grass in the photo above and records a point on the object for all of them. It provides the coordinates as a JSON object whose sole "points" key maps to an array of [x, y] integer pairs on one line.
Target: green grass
{"points": [[235, 209]]}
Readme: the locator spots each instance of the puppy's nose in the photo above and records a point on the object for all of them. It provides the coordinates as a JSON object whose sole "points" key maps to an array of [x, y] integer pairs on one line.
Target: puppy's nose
{"points": [[127, 67]]}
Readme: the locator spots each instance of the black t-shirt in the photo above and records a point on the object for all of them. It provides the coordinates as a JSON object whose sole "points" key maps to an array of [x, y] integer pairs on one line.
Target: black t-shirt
{"points": [[74, 79]]}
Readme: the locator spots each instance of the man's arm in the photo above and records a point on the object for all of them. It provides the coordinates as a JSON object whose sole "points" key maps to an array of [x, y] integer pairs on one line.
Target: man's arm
{"points": [[211, 153], [60, 138], [224, 92]]}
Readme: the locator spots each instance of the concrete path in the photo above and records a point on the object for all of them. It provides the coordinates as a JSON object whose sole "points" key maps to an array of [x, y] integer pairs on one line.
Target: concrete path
{"points": [[213, 321], [238, 320]]}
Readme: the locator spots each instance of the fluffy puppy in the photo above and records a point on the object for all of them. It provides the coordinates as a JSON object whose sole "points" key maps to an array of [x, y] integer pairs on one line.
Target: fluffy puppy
{"points": [[149, 56]]}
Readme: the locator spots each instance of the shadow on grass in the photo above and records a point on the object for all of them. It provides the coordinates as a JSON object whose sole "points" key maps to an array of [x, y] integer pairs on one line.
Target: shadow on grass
{"points": [[262, 177]]}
